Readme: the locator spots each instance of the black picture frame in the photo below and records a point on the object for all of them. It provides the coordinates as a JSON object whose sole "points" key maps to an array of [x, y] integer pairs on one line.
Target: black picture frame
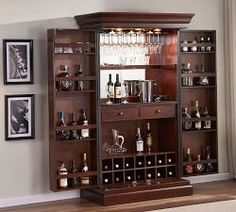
{"points": [[19, 117], [18, 61]]}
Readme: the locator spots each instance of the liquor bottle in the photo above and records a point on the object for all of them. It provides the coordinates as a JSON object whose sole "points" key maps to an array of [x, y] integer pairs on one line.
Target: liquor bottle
{"points": [[74, 181], [202, 41], [79, 73], [189, 78], [110, 90], [117, 90], [187, 124], [63, 134], [209, 166], [208, 47], [189, 167], [139, 142], [184, 47], [85, 180], [63, 182], [74, 133], [185, 78], [84, 122], [149, 137], [198, 124], [207, 123], [194, 45], [199, 166], [64, 85]]}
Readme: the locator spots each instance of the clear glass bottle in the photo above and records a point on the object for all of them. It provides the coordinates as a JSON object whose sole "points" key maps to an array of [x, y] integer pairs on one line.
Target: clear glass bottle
{"points": [[149, 138], [63, 182], [202, 42], [79, 73], [85, 180], [194, 45], [187, 124], [197, 124], [117, 90], [190, 77], [64, 85], [188, 168], [139, 142], [184, 45], [209, 166], [63, 134], [208, 47], [185, 78], [84, 122]]}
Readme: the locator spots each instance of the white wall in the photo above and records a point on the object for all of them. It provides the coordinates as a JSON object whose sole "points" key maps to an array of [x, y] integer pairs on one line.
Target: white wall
{"points": [[24, 164]]}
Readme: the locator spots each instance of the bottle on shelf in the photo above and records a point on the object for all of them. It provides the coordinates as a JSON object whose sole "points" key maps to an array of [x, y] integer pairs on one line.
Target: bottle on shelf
{"points": [[74, 134], [185, 78], [197, 124], [64, 85], [139, 142], [189, 78], [187, 124], [199, 168], [208, 47], [84, 122], [202, 42], [74, 180], [110, 90], [63, 134], [79, 85], [194, 45], [209, 166], [149, 141], [117, 90], [184, 47], [85, 180], [188, 168], [63, 182], [207, 123]]}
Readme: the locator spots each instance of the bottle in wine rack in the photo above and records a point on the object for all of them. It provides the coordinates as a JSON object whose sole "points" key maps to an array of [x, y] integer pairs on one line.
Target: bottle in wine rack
{"points": [[85, 180], [64, 85], [79, 73], [207, 123], [149, 138], [74, 133], [74, 180], [110, 90], [199, 168], [63, 182], [188, 167], [84, 122], [117, 90], [63, 134], [198, 124], [139, 142], [209, 166]]}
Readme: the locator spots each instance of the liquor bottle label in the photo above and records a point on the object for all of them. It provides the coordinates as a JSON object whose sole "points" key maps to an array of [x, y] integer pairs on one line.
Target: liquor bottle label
{"points": [[140, 146], [63, 183], [110, 91], [118, 92], [85, 133]]}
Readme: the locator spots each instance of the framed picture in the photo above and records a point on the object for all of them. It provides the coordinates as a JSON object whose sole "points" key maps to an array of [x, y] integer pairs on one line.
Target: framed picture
{"points": [[18, 61], [19, 117]]}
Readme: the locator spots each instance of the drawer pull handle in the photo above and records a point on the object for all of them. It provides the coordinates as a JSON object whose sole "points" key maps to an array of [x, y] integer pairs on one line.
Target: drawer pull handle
{"points": [[158, 111], [121, 114]]}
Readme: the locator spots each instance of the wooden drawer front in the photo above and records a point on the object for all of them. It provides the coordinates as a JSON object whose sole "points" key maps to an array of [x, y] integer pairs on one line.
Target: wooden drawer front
{"points": [[159, 111], [119, 114]]}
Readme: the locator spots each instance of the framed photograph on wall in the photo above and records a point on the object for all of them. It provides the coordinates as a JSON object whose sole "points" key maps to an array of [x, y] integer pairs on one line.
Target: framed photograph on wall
{"points": [[19, 117], [18, 61]]}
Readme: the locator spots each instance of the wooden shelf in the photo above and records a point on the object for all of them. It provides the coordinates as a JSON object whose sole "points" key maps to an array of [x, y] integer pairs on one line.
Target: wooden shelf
{"points": [[200, 131], [198, 87], [199, 174], [74, 45], [211, 52], [74, 78], [74, 93], [130, 67], [211, 118], [77, 127], [202, 162], [200, 74], [77, 140], [78, 174]]}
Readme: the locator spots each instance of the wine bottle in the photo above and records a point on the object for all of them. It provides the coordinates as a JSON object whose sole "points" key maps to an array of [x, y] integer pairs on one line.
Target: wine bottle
{"points": [[63, 182], [139, 142], [209, 166], [79, 73], [198, 124], [189, 167], [74, 133], [149, 138], [63, 134], [117, 89], [85, 180], [74, 180], [189, 78], [110, 90], [84, 122]]}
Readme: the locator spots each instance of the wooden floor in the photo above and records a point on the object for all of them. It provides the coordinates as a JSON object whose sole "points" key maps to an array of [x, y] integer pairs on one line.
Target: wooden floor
{"points": [[205, 192]]}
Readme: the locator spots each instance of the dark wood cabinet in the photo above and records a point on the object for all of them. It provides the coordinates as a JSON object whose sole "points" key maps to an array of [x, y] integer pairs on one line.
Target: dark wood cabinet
{"points": [[128, 176], [202, 88]]}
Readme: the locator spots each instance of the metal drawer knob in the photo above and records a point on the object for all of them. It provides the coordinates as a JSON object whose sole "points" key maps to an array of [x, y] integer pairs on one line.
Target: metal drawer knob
{"points": [[158, 111], [121, 114]]}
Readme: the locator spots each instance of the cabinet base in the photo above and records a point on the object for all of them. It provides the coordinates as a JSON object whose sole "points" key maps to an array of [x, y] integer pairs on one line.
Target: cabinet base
{"points": [[141, 192]]}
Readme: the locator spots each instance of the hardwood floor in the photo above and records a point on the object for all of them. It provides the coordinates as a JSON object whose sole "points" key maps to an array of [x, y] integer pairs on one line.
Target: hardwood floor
{"points": [[205, 192]]}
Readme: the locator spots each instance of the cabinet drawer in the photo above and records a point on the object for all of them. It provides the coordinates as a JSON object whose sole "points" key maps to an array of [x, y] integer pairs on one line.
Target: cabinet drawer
{"points": [[157, 111], [119, 114]]}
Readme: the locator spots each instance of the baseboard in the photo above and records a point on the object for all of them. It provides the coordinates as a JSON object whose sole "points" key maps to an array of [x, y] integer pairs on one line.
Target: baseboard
{"points": [[208, 178], [39, 198]]}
